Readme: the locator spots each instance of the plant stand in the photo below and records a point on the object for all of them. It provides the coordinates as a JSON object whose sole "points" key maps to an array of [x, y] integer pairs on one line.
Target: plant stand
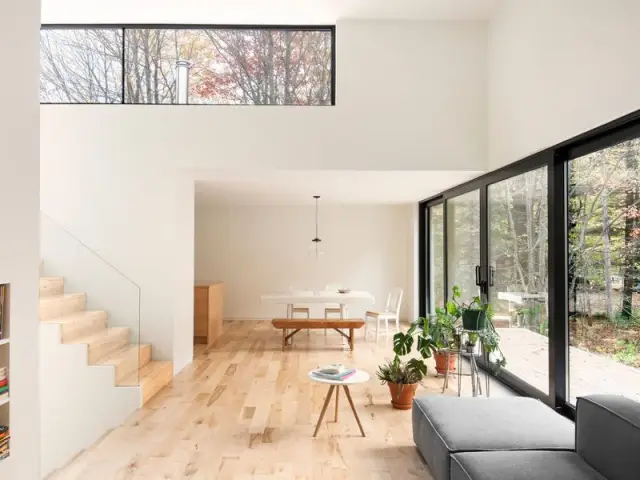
{"points": [[474, 373]]}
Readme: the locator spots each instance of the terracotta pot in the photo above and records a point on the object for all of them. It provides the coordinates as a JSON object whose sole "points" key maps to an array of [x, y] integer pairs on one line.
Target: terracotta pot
{"points": [[402, 395], [441, 363]]}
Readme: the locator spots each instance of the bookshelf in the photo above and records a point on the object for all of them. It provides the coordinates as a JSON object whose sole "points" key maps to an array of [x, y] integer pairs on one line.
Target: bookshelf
{"points": [[5, 354]]}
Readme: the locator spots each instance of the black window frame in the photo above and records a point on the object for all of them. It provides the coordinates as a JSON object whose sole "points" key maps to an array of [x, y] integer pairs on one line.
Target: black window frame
{"points": [[556, 158], [169, 26]]}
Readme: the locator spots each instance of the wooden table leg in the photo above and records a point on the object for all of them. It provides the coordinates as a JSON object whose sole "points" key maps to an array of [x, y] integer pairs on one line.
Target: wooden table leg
{"points": [[324, 409], [351, 338], [337, 401], [284, 338], [353, 409]]}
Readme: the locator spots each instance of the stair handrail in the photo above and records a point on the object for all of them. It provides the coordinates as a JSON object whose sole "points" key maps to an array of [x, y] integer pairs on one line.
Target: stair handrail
{"points": [[61, 227]]}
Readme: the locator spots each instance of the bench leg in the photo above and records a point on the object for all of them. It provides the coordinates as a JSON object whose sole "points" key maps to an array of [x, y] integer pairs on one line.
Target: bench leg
{"points": [[351, 338]]}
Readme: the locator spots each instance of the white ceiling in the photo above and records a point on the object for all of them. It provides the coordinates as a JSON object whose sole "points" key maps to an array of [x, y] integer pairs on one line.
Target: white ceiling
{"points": [[260, 11], [281, 187]]}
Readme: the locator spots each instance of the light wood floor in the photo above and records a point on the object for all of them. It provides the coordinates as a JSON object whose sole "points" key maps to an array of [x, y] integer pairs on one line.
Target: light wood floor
{"points": [[246, 410]]}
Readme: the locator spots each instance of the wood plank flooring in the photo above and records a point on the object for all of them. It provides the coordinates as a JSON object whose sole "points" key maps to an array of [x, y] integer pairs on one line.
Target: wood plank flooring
{"points": [[246, 410]]}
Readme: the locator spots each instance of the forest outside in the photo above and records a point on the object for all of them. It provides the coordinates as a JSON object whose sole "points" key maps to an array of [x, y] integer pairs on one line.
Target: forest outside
{"points": [[237, 66], [604, 252], [603, 265]]}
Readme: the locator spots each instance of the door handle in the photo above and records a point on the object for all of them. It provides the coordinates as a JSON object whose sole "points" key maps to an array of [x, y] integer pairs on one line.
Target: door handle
{"points": [[478, 277], [492, 273]]}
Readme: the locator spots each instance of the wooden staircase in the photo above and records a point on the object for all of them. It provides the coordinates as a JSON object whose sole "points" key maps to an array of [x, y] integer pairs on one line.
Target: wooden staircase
{"points": [[132, 363]]}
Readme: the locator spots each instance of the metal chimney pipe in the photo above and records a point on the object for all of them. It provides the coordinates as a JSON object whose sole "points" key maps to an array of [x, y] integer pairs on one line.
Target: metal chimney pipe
{"points": [[182, 81]]}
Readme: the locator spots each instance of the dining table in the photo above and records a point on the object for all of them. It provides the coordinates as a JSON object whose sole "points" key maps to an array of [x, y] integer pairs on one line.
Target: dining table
{"points": [[297, 297]]}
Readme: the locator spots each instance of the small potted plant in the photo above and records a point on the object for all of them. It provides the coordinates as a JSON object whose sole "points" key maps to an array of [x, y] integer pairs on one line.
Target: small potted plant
{"points": [[403, 377], [472, 341], [475, 314]]}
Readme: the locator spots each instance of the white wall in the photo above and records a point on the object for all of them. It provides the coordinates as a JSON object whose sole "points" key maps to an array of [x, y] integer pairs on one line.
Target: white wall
{"points": [[19, 182], [410, 96], [80, 401], [559, 68], [184, 228], [126, 216], [112, 175], [261, 249]]}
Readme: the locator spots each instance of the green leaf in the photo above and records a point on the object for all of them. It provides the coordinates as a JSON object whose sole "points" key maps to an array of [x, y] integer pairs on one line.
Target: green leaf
{"points": [[456, 291], [417, 368], [402, 342], [426, 346]]}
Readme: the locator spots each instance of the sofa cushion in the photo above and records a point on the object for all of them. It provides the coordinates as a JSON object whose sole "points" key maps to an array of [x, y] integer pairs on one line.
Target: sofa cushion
{"points": [[521, 465], [443, 425], [608, 435]]}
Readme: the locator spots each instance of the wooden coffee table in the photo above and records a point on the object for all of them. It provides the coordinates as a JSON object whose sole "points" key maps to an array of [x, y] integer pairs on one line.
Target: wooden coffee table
{"points": [[359, 377]]}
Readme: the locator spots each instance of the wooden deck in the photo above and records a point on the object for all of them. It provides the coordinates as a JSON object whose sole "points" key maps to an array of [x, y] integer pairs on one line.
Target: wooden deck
{"points": [[527, 355]]}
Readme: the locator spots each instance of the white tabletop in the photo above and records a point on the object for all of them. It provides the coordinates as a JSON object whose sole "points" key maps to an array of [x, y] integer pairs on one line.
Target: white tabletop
{"points": [[359, 377], [520, 297], [297, 297]]}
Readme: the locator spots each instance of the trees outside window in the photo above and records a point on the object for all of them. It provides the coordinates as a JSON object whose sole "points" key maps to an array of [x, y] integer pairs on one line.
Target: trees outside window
{"points": [[237, 66], [81, 66], [604, 258]]}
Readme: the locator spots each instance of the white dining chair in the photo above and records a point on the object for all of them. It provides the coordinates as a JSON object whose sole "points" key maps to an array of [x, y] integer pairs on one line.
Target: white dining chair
{"points": [[391, 312], [332, 308], [292, 310]]}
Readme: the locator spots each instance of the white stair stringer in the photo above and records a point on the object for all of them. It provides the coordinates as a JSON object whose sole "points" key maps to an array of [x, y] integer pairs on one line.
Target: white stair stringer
{"points": [[79, 402]]}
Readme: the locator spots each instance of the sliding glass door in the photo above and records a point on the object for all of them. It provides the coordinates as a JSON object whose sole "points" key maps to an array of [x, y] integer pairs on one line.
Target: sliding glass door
{"points": [[463, 243], [604, 271], [553, 242], [436, 257], [518, 273]]}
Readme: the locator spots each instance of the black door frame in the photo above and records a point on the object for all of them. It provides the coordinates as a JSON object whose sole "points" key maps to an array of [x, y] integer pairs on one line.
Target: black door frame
{"points": [[556, 159]]}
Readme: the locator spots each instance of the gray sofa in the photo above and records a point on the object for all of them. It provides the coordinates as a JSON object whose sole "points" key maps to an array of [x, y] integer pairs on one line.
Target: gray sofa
{"points": [[518, 438]]}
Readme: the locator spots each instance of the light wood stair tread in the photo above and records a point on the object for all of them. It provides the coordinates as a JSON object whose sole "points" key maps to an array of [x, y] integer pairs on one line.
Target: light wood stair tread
{"points": [[59, 296], [121, 354], [150, 371], [74, 317], [94, 337]]}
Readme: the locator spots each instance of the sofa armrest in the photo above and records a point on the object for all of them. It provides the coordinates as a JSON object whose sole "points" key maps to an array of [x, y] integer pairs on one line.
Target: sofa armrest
{"points": [[608, 435]]}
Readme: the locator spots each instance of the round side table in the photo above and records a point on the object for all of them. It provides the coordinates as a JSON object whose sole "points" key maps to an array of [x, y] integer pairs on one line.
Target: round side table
{"points": [[359, 377]]}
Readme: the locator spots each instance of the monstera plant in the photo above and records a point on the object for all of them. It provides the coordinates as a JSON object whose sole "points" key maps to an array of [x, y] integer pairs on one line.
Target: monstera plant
{"points": [[404, 376]]}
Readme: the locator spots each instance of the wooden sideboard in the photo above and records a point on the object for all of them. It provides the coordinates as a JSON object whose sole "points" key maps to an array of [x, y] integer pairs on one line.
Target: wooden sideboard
{"points": [[207, 312]]}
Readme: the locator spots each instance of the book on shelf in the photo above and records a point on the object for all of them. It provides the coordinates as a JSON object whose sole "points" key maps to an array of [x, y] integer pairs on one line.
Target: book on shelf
{"points": [[4, 291], [4, 441]]}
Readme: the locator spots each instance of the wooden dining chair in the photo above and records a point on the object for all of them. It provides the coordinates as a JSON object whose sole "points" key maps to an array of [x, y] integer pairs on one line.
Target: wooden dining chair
{"points": [[391, 311]]}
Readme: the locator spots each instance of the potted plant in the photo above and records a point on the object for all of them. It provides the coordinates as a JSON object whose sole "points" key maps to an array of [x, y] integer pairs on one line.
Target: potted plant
{"points": [[474, 315], [443, 332], [472, 341], [477, 319], [401, 376]]}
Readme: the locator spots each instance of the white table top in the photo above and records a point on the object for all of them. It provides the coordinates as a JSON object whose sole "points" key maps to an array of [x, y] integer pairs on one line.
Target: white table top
{"points": [[359, 377], [297, 297], [519, 297]]}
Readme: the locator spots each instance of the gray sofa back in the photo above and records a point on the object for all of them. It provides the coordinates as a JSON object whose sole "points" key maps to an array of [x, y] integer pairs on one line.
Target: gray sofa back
{"points": [[608, 435]]}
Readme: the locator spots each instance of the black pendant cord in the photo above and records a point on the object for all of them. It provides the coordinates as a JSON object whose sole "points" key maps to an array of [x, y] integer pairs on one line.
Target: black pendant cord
{"points": [[317, 239]]}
